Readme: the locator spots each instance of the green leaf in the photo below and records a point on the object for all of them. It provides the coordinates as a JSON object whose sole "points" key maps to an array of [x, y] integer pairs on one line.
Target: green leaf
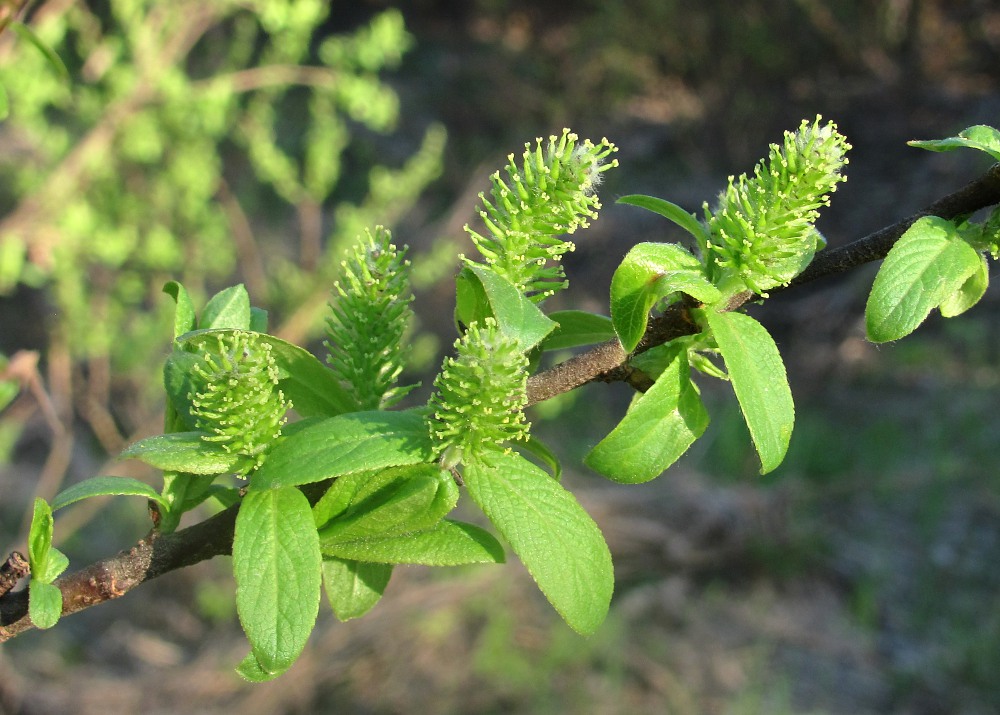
{"points": [[278, 570], [44, 603], [355, 442], [483, 293], [40, 539], [105, 487], [258, 320], [252, 670], [400, 507], [538, 449], [55, 565], [926, 267], [223, 495], [658, 428], [649, 273], [353, 587], [556, 540], [229, 308], [981, 137], [670, 211], [577, 327], [4, 103], [179, 489], [448, 543], [177, 382], [185, 317], [184, 452], [759, 380], [307, 382], [969, 294], [53, 59]]}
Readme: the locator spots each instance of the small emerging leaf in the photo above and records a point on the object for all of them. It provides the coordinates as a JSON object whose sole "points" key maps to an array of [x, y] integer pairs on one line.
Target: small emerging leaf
{"points": [[670, 211], [649, 273], [40, 539], [44, 603], [227, 309], [185, 317]]}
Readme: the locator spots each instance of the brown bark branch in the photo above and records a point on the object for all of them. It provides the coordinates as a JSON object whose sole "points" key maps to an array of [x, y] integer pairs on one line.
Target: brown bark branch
{"points": [[156, 555], [110, 578]]}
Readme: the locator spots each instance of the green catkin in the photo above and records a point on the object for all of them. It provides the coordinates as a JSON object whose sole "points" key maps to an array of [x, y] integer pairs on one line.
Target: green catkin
{"points": [[480, 395], [369, 319], [552, 193], [761, 231], [238, 404]]}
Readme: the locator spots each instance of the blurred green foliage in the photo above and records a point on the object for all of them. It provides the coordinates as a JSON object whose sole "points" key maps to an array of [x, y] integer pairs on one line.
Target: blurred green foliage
{"points": [[184, 127]]}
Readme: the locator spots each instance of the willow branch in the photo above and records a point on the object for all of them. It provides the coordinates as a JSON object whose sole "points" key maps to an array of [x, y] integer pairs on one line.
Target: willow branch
{"points": [[153, 555], [158, 554], [606, 362]]}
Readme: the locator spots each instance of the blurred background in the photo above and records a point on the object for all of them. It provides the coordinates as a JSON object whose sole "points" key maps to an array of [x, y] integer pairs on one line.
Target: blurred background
{"points": [[212, 142]]}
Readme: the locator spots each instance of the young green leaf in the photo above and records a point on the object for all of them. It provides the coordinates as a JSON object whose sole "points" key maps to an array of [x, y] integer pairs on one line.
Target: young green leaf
{"points": [[311, 386], [577, 327], [650, 272], [981, 137], [759, 380], [926, 267], [258, 320], [971, 292], [670, 211], [353, 587], [556, 540], [538, 449], [227, 309], [185, 317], [403, 506], [251, 669], [448, 543], [484, 293], [44, 603], [658, 429], [355, 442], [278, 570], [184, 452], [40, 540], [103, 487]]}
